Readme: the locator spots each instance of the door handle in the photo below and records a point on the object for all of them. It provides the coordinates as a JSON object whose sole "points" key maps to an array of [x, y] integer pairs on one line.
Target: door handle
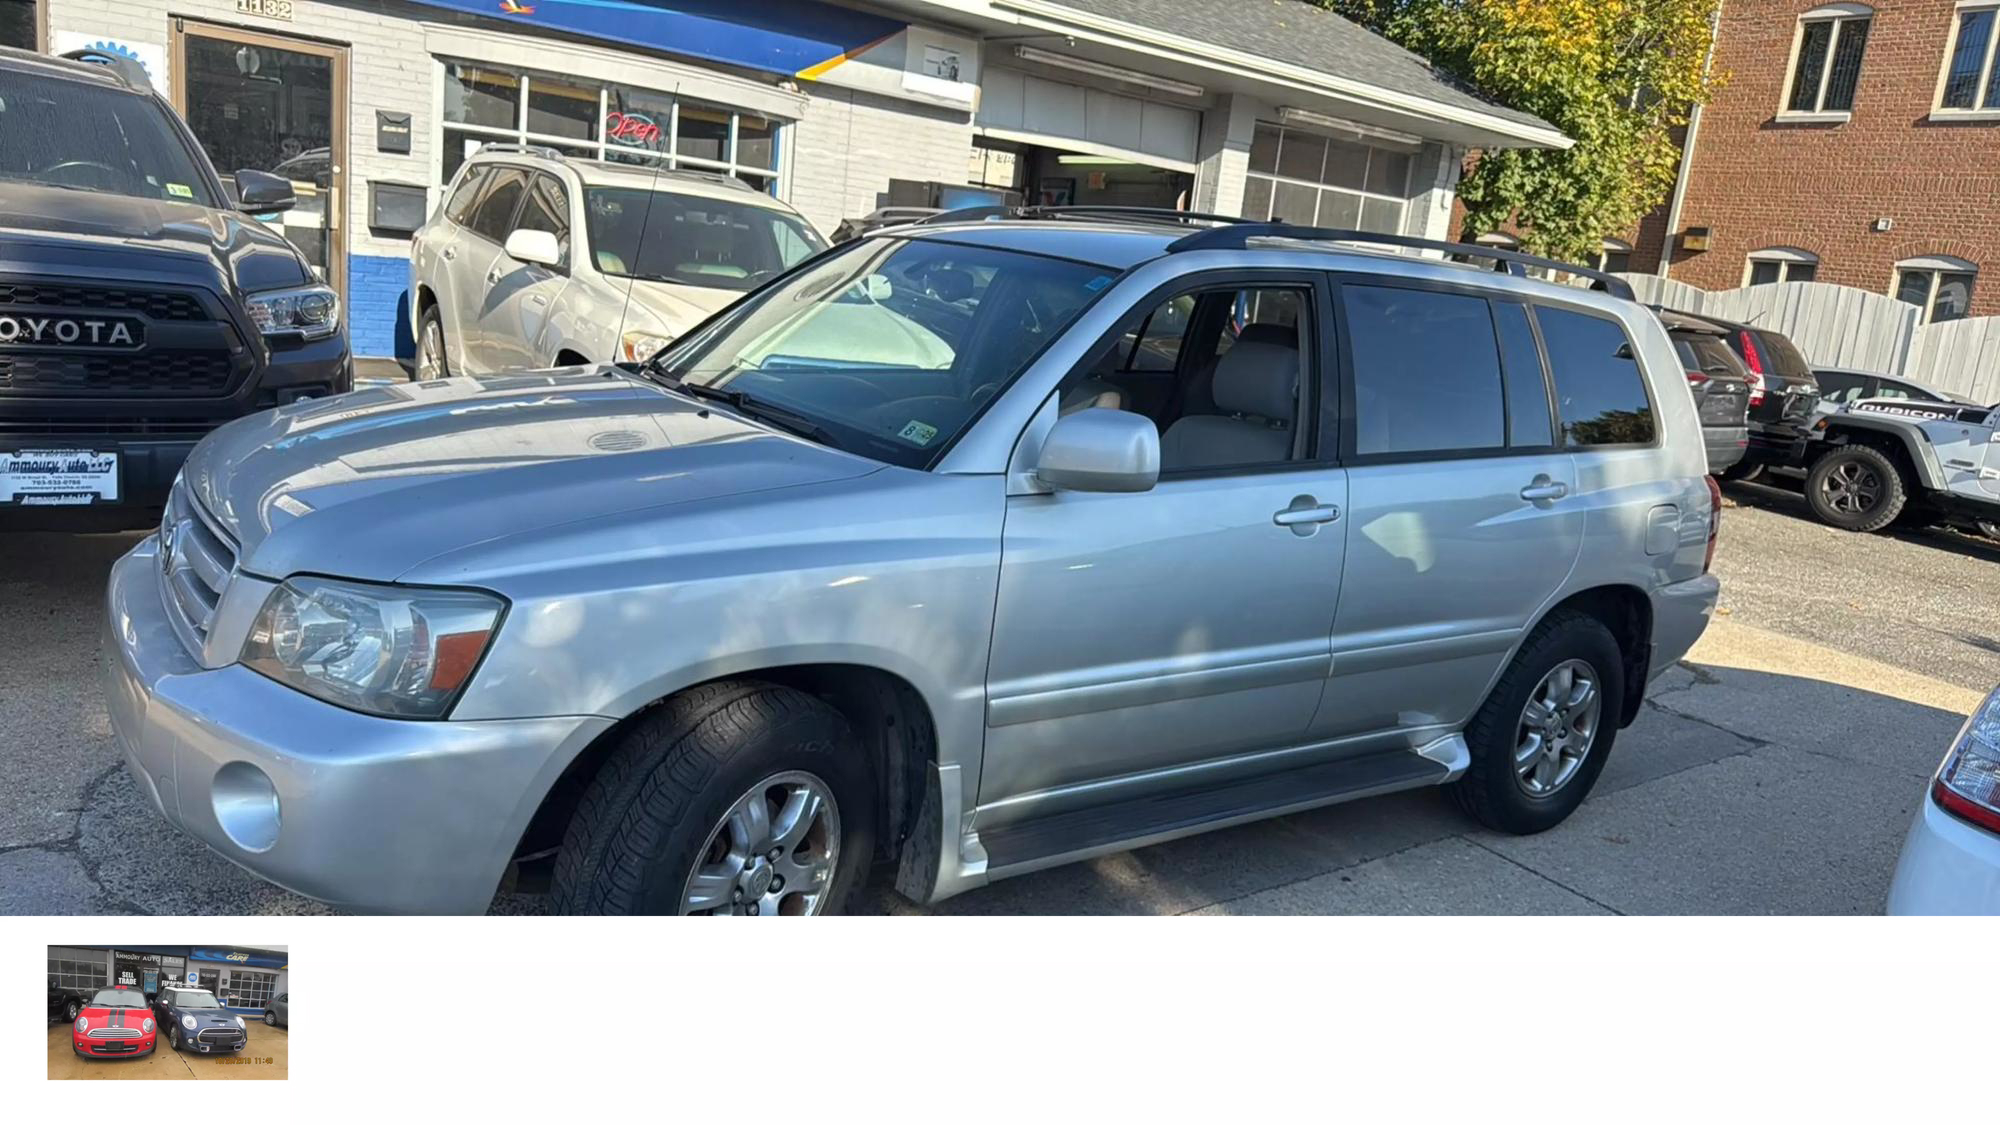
{"points": [[1305, 515], [1545, 489]]}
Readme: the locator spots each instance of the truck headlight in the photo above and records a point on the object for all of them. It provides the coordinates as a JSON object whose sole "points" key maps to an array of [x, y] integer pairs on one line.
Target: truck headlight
{"points": [[399, 651], [311, 311]]}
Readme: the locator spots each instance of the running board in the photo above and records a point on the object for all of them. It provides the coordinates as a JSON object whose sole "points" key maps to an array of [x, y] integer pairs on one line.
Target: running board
{"points": [[1031, 845]]}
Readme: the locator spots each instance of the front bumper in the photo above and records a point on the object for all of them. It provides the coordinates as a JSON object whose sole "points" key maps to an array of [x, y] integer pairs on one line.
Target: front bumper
{"points": [[367, 813], [1947, 867], [1776, 444], [146, 468], [111, 1048]]}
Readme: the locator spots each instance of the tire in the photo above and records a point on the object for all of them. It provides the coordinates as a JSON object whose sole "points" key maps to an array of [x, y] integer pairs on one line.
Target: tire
{"points": [[1856, 488], [1990, 529], [430, 335], [1492, 790], [656, 810], [270, 1019], [173, 1037], [73, 1009]]}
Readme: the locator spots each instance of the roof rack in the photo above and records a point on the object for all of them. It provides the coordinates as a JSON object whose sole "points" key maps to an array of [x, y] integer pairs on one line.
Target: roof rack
{"points": [[1237, 236], [128, 69], [543, 151], [1076, 211], [721, 179]]}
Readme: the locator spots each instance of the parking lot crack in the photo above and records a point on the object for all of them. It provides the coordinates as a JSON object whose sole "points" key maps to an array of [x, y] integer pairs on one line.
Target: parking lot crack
{"points": [[1557, 883], [1747, 739]]}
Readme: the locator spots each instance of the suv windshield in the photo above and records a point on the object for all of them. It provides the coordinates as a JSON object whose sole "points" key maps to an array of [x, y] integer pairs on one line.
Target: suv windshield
{"points": [[117, 998], [192, 1000], [86, 137], [663, 236], [889, 345]]}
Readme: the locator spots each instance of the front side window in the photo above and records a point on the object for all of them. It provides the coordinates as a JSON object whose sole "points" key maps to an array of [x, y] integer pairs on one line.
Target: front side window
{"points": [[1828, 64], [1970, 82], [1600, 392], [494, 216], [1312, 180], [83, 137], [691, 239], [1941, 287], [1426, 371], [888, 347]]}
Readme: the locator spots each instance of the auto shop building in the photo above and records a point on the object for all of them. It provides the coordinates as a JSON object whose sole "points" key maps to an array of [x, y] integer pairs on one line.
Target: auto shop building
{"points": [[243, 978], [1269, 108]]}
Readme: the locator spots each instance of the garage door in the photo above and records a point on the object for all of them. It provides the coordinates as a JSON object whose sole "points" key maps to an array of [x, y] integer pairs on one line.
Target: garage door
{"points": [[1019, 106]]}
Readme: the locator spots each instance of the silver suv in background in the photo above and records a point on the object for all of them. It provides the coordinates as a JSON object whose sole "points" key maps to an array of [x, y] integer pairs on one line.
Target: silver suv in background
{"points": [[539, 260], [1136, 527]]}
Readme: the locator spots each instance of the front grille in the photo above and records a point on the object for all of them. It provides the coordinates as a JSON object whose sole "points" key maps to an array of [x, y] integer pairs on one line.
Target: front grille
{"points": [[152, 303], [219, 1035], [197, 560], [115, 1033], [99, 426], [160, 371]]}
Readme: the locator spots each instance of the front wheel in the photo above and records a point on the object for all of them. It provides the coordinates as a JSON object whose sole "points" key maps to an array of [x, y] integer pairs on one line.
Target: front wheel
{"points": [[270, 1019], [73, 1009], [1541, 738], [174, 1038], [431, 361], [733, 798], [1856, 488]]}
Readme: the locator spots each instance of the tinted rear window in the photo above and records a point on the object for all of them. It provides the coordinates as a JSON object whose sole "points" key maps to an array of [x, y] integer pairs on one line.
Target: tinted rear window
{"points": [[1781, 356], [1600, 393], [1426, 371]]}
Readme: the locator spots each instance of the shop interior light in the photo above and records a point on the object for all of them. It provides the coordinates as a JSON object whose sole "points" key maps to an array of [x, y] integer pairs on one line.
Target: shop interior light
{"points": [[1293, 115], [1079, 160], [1105, 70]]}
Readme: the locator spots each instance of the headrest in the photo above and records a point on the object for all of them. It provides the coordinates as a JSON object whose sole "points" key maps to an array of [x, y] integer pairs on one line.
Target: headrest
{"points": [[1258, 378], [1262, 333]]}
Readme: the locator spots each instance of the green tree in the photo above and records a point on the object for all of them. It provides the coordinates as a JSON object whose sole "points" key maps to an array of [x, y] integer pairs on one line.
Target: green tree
{"points": [[1616, 76]]}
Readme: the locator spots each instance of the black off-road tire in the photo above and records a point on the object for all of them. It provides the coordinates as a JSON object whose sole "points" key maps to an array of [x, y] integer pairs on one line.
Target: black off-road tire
{"points": [[1894, 495], [1489, 790], [646, 815]]}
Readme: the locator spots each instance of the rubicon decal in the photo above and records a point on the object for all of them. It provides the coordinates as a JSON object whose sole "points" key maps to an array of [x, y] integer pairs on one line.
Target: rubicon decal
{"points": [[22, 331]]}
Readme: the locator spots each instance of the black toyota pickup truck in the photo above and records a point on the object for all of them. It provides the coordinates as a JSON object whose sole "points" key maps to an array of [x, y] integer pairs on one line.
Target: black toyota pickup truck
{"points": [[142, 303]]}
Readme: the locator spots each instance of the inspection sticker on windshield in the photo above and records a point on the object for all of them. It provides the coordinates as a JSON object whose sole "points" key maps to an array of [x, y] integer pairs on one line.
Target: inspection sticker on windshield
{"points": [[182, 190], [918, 433]]}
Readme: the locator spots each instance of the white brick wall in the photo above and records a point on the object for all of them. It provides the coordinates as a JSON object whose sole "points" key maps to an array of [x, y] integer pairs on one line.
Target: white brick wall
{"points": [[850, 144]]}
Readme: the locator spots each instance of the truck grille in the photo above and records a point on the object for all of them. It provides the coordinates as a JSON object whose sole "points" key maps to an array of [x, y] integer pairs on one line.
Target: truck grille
{"points": [[155, 304], [185, 345], [157, 371], [197, 560]]}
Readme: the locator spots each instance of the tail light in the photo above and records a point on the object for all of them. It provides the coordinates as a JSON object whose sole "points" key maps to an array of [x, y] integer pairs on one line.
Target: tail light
{"points": [[1696, 378], [1714, 521], [1968, 783], [1755, 362]]}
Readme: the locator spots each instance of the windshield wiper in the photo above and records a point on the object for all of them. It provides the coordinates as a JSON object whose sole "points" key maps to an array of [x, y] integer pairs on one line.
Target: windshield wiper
{"points": [[756, 408]]}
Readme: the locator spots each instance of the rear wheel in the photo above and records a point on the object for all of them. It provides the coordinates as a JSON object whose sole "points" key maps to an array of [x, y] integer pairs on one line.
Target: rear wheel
{"points": [[1743, 470], [431, 361], [1541, 738], [271, 1019], [733, 798], [1856, 488]]}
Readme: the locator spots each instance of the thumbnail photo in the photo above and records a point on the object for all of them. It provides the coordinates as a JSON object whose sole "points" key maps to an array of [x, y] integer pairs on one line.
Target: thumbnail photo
{"points": [[168, 1011]]}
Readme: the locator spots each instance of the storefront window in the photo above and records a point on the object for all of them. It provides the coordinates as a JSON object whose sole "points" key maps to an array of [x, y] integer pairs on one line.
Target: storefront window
{"points": [[17, 24], [1311, 180], [71, 971], [485, 105], [244, 988]]}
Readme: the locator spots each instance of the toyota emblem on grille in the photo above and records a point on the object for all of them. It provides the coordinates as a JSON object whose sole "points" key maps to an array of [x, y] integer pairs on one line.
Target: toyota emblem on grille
{"points": [[169, 533], [58, 331]]}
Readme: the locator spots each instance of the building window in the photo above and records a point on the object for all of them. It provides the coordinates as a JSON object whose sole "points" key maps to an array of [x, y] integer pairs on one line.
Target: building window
{"points": [[1940, 286], [1314, 180], [1779, 263], [1826, 59], [244, 988], [1615, 257], [70, 972], [1969, 78], [487, 104]]}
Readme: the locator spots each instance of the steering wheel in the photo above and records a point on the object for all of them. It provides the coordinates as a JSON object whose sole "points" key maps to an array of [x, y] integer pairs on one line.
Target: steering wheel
{"points": [[871, 395], [54, 171]]}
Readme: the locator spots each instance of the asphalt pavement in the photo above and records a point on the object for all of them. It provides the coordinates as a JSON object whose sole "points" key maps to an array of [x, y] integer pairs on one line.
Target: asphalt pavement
{"points": [[1774, 772]]}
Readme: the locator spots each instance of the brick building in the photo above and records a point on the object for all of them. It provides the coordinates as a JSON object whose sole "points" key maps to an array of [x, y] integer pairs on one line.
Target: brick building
{"points": [[1856, 144], [1217, 105]]}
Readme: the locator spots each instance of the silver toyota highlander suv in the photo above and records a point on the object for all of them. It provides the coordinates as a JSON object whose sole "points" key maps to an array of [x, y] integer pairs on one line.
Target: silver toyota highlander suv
{"points": [[967, 548]]}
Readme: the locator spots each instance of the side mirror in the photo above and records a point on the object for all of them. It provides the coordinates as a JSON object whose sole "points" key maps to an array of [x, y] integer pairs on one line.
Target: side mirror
{"points": [[535, 247], [1101, 450], [263, 192]]}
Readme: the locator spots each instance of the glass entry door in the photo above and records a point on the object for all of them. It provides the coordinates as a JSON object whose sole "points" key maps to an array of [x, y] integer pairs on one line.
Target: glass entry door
{"points": [[277, 105]]}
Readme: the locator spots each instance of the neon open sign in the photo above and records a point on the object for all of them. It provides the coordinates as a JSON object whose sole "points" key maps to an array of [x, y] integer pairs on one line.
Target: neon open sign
{"points": [[632, 129]]}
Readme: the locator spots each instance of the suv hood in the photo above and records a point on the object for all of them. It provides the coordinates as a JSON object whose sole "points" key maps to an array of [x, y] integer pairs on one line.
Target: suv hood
{"points": [[674, 308], [44, 226], [369, 484]]}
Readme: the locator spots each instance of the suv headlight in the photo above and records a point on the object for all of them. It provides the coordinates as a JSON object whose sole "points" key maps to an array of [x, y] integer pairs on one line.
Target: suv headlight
{"points": [[311, 311], [398, 651], [638, 347]]}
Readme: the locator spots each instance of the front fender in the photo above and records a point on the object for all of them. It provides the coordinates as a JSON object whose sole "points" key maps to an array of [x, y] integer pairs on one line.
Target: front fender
{"points": [[1847, 427]]}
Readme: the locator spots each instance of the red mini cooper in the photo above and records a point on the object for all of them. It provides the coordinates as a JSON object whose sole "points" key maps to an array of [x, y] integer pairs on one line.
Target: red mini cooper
{"points": [[115, 1023]]}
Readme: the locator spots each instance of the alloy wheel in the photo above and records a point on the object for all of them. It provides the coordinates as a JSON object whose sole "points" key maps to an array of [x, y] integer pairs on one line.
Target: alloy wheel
{"points": [[430, 351], [271, 1018], [1558, 726], [774, 852], [1851, 488], [74, 1008]]}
